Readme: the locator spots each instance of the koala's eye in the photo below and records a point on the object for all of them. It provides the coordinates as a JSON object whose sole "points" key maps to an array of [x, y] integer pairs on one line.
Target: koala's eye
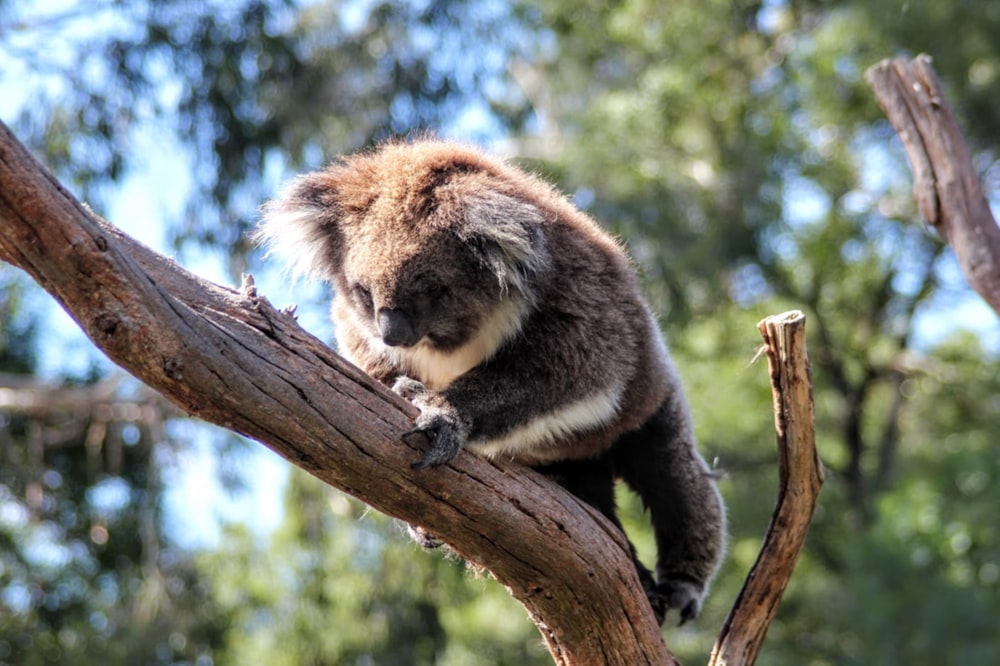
{"points": [[436, 292], [431, 294], [363, 297]]}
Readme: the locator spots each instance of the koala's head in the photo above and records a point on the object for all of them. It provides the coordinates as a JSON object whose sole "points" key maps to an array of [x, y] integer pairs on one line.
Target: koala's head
{"points": [[422, 241]]}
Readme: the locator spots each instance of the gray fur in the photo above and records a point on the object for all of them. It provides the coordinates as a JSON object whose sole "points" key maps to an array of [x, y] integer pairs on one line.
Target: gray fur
{"points": [[517, 327]]}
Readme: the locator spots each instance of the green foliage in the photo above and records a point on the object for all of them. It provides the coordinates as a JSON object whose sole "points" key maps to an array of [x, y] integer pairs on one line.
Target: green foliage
{"points": [[17, 327], [257, 86], [85, 575], [737, 150], [338, 584]]}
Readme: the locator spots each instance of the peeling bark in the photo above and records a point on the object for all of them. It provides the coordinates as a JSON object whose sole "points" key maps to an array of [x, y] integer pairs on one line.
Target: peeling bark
{"points": [[230, 358]]}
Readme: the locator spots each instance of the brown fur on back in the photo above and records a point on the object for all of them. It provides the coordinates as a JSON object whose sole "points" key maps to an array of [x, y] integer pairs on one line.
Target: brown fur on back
{"points": [[517, 326]]}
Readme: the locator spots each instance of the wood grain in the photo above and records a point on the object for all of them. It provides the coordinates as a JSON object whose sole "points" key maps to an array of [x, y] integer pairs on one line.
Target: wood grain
{"points": [[230, 358], [800, 477]]}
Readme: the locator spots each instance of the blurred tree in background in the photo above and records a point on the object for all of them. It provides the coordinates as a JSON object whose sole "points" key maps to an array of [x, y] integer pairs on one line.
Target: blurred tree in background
{"points": [[86, 574], [733, 145]]}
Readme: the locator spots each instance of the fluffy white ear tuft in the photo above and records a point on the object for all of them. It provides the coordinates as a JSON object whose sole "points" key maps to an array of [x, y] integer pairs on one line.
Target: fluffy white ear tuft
{"points": [[299, 226], [508, 233]]}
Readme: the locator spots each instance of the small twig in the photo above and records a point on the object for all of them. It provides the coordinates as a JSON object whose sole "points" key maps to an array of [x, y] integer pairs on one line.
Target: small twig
{"points": [[800, 478], [945, 182]]}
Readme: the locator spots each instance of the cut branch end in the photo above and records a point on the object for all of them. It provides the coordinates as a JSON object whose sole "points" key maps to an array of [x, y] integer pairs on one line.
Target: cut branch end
{"points": [[800, 479]]}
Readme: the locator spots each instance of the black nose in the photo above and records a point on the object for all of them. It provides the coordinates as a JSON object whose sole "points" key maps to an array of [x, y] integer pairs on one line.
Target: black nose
{"points": [[395, 328]]}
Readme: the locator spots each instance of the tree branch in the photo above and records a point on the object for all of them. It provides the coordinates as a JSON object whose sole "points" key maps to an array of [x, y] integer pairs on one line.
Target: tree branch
{"points": [[230, 358], [945, 182], [800, 477]]}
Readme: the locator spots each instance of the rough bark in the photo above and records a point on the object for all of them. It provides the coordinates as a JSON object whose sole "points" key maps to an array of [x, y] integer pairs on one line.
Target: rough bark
{"points": [[230, 358], [800, 477], [945, 182]]}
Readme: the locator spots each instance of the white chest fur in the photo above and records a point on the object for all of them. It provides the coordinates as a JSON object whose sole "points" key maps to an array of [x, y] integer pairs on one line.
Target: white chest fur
{"points": [[437, 369]]}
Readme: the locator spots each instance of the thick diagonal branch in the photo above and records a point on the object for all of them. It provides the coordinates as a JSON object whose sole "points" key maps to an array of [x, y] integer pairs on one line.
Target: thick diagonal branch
{"points": [[229, 358]]}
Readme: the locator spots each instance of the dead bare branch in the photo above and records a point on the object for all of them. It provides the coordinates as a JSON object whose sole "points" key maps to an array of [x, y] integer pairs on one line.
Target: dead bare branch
{"points": [[945, 183], [800, 477]]}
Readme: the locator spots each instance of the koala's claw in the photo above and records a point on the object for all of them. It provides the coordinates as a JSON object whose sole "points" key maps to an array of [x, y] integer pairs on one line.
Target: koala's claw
{"points": [[445, 444], [684, 595], [656, 600], [438, 422], [408, 388]]}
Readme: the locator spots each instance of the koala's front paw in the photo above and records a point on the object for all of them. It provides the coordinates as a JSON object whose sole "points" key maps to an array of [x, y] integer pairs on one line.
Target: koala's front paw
{"points": [[444, 433], [683, 594], [408, 388], [438, 421]]}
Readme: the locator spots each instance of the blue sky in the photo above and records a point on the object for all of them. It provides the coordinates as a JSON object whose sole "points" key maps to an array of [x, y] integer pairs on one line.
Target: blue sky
{"points": [[142, 207]]}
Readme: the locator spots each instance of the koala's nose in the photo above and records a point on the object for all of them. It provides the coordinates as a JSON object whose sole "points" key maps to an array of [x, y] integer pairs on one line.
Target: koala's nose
{"points": [[395, 328]]}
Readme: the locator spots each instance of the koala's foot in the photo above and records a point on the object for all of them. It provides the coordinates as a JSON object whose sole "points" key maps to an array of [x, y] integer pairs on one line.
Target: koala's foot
{"points": [[683, 594], [439, 422], [656, 599], [423, 538]]}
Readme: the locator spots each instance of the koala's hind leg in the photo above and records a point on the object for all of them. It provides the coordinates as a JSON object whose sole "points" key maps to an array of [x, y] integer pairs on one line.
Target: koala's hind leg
{"points": [[661, 464], [593, 482]]}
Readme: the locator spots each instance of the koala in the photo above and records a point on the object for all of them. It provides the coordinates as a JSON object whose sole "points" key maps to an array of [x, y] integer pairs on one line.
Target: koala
{"points": [[517, 327]]}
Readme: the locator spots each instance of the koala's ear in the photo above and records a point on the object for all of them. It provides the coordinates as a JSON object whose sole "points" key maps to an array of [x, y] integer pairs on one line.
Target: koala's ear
{"points": [[506, 233], [301, 226]]}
